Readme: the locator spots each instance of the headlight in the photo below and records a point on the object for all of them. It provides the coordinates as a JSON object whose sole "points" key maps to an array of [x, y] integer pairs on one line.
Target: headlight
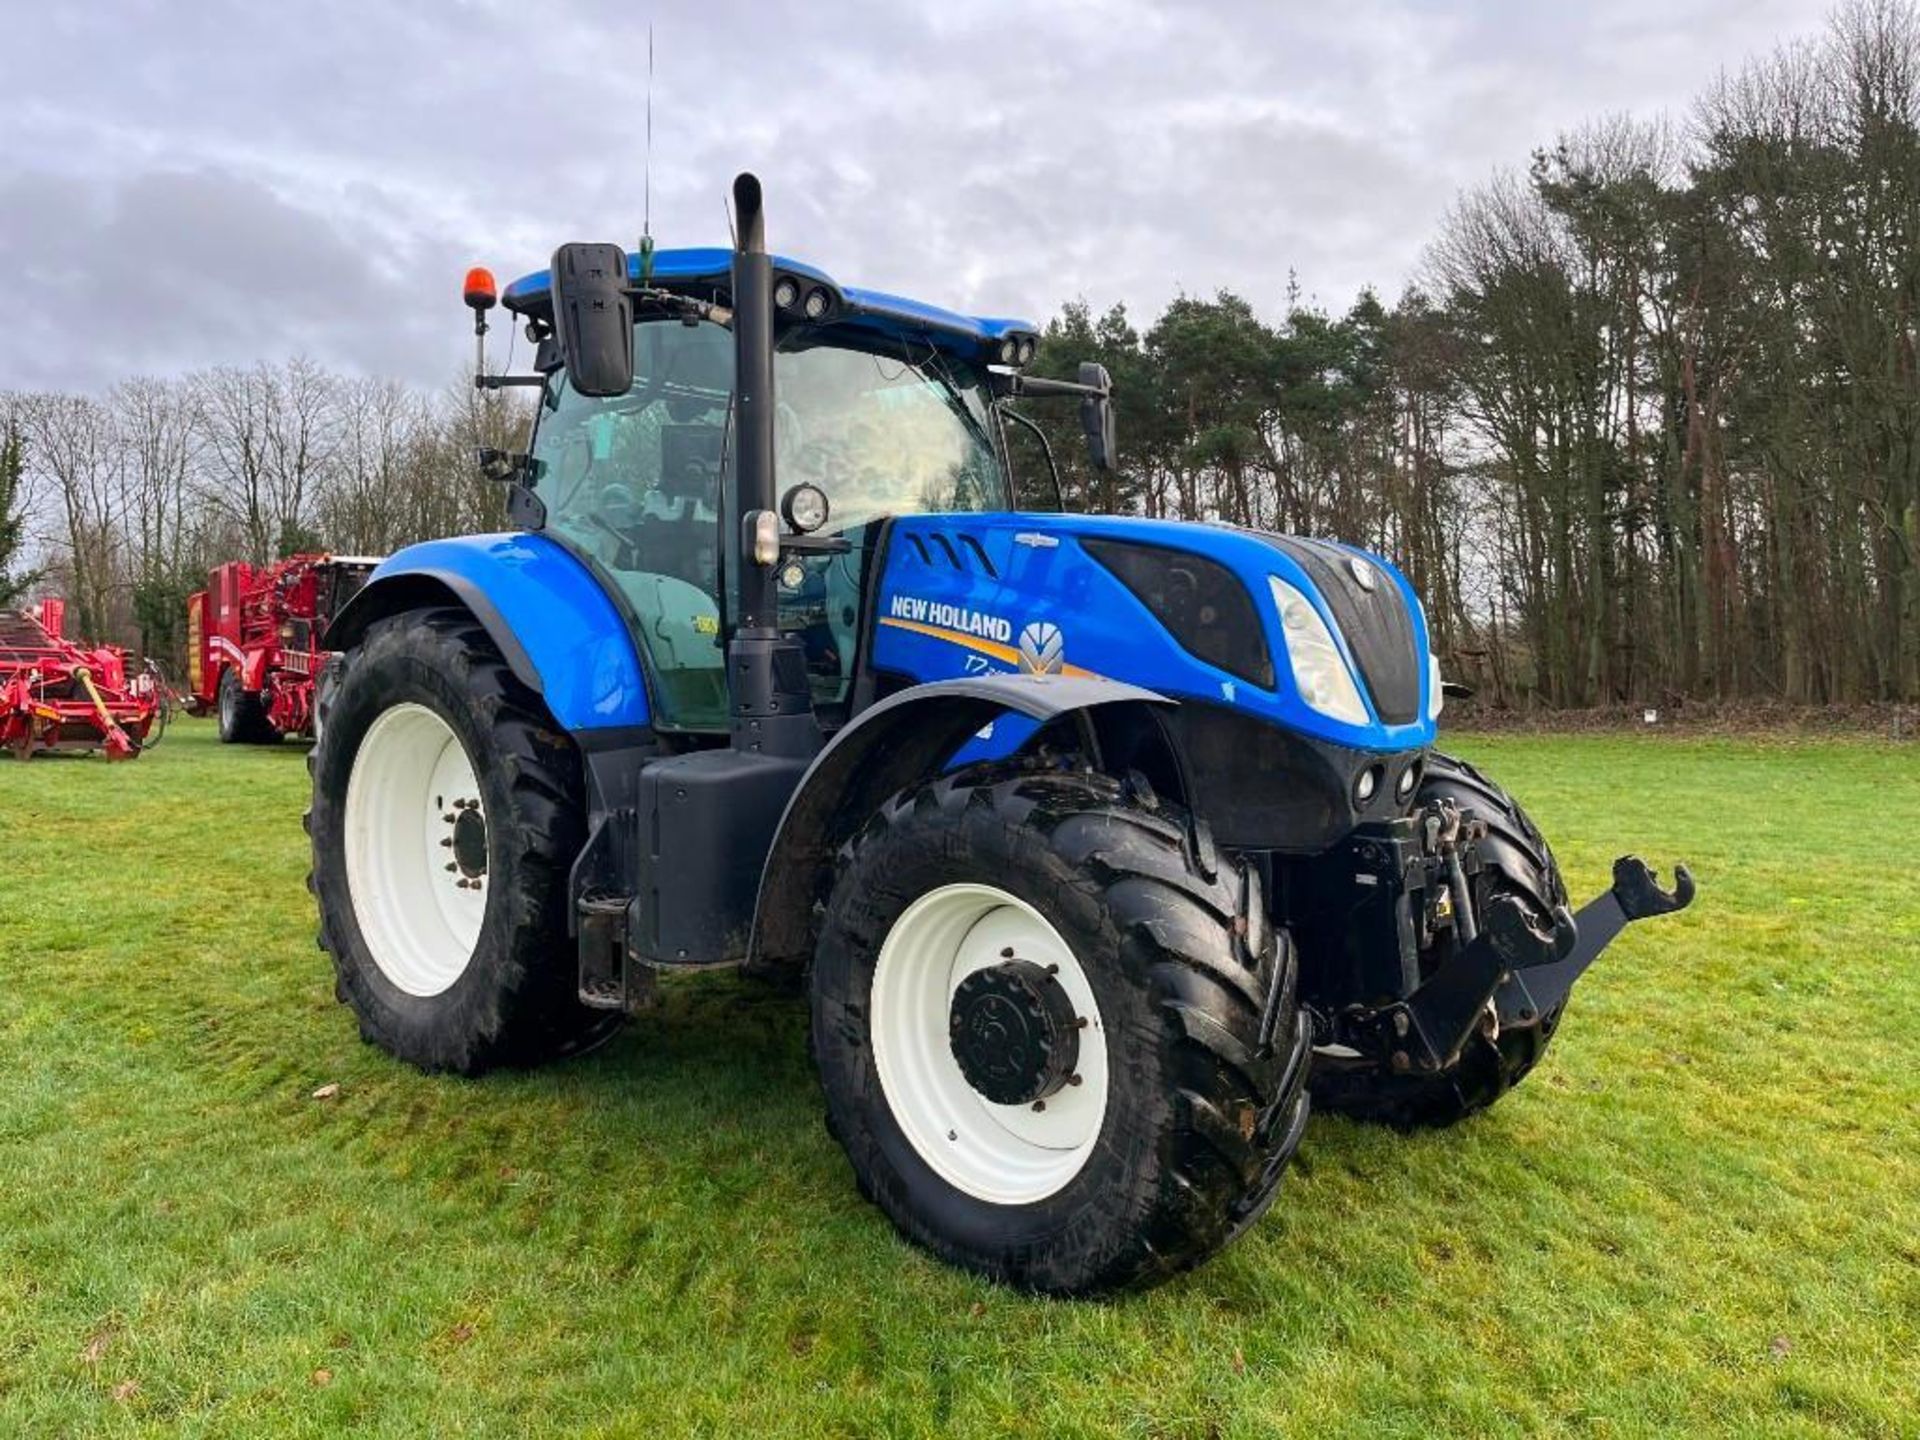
{"points": [[1319, 673], [1436, 697]]}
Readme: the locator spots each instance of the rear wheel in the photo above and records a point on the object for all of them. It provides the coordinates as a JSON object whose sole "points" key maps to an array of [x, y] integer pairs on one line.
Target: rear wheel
{"points": [[446, 814], [1515, 861], [242, 718], [1038, 1023]]}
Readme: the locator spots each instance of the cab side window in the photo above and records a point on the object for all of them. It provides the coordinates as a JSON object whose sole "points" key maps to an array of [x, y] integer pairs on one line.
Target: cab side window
{"points": [[633, 483]]}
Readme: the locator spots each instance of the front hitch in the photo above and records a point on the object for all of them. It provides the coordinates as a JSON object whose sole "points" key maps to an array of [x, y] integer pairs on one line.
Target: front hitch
{"points": [[1634, 895], [1524, 971]]}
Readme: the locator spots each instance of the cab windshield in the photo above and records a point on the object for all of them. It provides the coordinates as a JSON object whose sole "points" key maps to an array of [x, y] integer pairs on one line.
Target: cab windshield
{"points": [[636, 484], [884, 434]]}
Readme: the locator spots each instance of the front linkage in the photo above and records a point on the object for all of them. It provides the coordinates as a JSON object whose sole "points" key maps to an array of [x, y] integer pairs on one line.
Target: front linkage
{"points": [[1502, 967]]}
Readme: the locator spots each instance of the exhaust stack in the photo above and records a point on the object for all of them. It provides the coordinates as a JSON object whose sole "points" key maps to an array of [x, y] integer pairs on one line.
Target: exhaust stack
{"points": [[766, 675]]}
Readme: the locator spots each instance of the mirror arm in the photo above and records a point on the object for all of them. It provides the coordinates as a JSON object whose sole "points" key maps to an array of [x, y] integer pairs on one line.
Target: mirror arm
{"points": [[502, 382], [1046, 448], [1020, 387]]}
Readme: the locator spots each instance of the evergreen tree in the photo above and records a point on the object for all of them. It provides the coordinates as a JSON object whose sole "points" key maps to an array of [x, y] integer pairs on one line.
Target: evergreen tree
{"points": [[13, 466]]}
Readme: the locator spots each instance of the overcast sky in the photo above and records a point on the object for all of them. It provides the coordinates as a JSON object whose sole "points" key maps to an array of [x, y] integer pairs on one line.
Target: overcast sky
{"points": [[184, 184]]}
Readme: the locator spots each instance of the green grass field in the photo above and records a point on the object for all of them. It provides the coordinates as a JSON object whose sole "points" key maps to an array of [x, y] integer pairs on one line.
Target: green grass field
{"points": [[1702, 1214]]}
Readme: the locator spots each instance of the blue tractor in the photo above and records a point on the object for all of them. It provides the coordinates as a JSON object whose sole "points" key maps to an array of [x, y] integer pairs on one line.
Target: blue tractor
{"points": [[1099, 844]]}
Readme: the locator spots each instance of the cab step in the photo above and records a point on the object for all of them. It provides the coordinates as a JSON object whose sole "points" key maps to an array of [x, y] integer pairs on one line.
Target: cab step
{"points": [[609, 980]]}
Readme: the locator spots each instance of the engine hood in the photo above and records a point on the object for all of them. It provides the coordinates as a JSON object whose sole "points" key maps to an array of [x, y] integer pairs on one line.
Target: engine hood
{"points": [[962, 593]]}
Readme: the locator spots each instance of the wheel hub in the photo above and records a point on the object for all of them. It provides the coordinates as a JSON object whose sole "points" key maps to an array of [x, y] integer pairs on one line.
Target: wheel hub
{"points": [[1014, 1032], [470, 841]]}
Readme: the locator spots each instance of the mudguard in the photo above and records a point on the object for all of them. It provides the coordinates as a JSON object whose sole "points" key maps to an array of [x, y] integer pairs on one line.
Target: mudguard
{"points": [[886, 747], [555, 626]]}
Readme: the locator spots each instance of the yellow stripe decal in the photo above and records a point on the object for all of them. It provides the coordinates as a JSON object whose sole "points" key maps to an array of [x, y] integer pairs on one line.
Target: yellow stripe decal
{"points": [[1004, 653]]}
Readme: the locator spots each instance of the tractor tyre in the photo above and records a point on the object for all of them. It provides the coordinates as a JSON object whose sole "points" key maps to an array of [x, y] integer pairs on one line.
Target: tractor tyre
{"points": [[1038, 1016], [242, 718], [1515, 861], [447, 811]]}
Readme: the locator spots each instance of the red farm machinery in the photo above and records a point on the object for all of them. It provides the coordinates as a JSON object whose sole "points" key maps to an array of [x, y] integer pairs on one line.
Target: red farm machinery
{"points": [[61, 694], [255, 642]]}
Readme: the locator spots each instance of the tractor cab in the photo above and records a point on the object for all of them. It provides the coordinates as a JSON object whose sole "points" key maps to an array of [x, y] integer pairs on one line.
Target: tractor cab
{"points": [[635, 485], [883, 408]]}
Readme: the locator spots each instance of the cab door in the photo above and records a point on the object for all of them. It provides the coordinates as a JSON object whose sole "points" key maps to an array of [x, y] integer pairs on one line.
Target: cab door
{"points": [[633, 485]]}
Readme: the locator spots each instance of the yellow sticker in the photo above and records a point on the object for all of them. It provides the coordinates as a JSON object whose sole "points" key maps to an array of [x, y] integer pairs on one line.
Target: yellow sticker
{"points": [[706, 624]]}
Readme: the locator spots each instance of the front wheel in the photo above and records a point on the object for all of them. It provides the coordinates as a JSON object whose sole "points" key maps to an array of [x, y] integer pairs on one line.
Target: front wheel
{"points": [[446, 813], [1038, 1020], [242, 718]]}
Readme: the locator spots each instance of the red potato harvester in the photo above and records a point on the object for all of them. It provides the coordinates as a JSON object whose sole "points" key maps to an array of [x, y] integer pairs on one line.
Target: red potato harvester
{"points": [[60, 694], [255, 642]]}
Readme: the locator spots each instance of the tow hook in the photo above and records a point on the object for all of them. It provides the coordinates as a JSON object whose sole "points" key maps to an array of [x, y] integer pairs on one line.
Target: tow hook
{"points": [[1635, 894]]}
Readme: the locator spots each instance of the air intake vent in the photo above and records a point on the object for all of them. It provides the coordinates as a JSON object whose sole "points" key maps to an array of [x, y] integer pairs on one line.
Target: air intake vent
{"points": [[959, 551]]}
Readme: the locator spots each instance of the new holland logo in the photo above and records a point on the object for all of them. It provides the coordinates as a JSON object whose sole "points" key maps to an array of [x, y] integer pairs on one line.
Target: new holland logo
{"points": [[1043, 649]]}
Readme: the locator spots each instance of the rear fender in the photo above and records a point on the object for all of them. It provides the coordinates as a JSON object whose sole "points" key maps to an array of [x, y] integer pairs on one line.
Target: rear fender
{"points": [[556, 628], [887, 747]]}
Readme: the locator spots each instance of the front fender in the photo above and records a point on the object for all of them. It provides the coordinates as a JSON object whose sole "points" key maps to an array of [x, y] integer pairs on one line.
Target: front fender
{"points": [[886, 747], [554, 624]]}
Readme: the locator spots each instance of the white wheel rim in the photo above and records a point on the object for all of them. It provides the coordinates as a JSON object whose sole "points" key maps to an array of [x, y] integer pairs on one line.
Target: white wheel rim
{"points": [[1004, 1154], [411, 780]]}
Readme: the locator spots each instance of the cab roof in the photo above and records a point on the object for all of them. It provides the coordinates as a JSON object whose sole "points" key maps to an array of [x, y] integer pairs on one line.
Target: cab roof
{"points": [[870, 312]]}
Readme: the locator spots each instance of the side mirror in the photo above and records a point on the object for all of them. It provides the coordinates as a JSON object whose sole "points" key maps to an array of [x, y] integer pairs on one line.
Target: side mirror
{"points": [[593, 317], [1096, 416]]}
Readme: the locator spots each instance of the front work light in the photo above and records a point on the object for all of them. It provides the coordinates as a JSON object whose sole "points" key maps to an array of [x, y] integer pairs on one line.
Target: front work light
{"points": [[805, 508], [1319, 672]]}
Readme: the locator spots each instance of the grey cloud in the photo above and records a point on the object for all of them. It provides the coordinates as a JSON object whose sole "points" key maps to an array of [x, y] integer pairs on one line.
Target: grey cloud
{"points": [[181, 184], [168, 270]]}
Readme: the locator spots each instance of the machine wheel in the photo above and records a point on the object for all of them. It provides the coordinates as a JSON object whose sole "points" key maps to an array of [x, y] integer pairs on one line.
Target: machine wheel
{"points": [[1038, 1025], [1516, 861], [446, 813], [242, 718]]}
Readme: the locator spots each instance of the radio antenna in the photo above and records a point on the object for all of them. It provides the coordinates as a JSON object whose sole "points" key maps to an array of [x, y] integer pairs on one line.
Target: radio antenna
{"points": [[646, 213]]}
